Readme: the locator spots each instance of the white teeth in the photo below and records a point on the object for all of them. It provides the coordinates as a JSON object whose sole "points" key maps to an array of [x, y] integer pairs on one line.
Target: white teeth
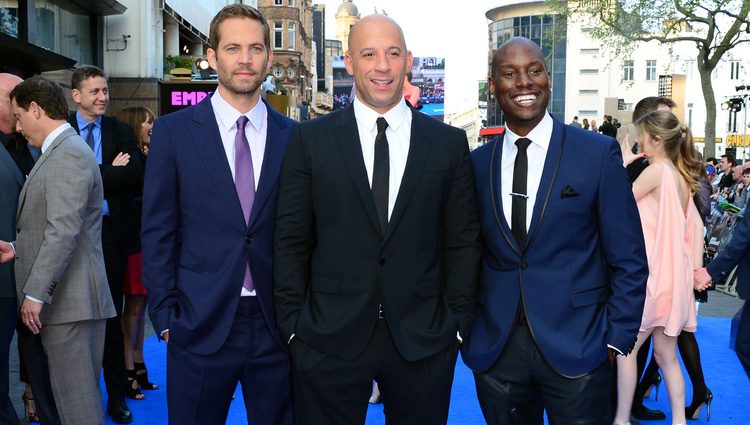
{"points": [[527, 98]]}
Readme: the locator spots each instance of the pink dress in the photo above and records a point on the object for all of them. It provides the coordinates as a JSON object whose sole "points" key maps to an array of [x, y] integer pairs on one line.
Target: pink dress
{"points": [[669, 233]]}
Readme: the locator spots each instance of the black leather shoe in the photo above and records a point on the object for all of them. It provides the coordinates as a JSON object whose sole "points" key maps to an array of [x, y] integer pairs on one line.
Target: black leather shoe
{"points": [[639, 411], [119, 411]]}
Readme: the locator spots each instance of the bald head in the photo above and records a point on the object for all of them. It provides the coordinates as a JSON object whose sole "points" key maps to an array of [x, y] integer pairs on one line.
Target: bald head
{"points": [[7, 83], [374, 25], [379, 61], [515, 44]]}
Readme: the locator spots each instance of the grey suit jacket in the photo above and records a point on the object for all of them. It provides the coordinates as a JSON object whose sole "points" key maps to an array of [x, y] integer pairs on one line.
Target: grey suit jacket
{"points": [[11, 181], [59, 226]]}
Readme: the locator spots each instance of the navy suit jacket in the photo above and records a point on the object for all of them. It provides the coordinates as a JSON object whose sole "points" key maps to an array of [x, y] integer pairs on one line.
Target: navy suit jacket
{"points": [[735, 253], [583, 273], [194, 239], [11, 182]]}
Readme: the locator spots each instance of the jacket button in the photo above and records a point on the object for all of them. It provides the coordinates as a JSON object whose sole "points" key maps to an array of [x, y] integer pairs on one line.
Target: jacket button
{"points": [[18, 230], [249, 238], [382, 261], [523, 266]]}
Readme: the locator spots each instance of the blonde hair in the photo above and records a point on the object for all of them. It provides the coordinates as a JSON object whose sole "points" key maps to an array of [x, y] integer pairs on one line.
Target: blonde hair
{"points": [[678, 144]]}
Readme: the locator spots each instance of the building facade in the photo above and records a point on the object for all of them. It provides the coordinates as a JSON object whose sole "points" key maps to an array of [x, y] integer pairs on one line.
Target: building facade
{"points": [[346, 16]]}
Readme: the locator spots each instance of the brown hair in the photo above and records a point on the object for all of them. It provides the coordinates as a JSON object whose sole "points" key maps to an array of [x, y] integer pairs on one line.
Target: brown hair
{"points": [[84, 73], [135, 116], [678, 144], [45, 93], [237, 11]]}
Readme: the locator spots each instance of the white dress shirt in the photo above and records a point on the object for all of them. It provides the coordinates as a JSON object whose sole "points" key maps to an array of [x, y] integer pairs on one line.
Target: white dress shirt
{"points": [[398, 134], [255, 131], [537, 153]]}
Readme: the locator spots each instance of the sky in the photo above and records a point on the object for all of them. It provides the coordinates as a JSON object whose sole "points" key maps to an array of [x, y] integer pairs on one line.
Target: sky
{"points": [[455, 30]]}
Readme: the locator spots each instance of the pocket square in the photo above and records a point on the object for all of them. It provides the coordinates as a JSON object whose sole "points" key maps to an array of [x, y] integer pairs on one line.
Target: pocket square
{"points": [[568, 192]]}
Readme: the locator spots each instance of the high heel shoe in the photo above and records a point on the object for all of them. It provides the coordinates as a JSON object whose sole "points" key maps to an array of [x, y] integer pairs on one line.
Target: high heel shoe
{"points": [[699, 399], [133, 391], [141, 375], [656, 381], [29, 408]]}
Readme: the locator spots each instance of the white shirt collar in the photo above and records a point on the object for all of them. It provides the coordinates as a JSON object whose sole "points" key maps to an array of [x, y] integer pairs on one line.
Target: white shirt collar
{"points": [[52, 136], [367, 117], [227, 115], [539, 135]]}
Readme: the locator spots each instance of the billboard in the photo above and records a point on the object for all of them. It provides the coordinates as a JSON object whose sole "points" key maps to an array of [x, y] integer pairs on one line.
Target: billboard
{"points": [[428, 76]]}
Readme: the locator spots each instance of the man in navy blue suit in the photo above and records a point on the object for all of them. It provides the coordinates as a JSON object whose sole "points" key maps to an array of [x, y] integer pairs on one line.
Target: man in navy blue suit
{"points": [[736, 253], [564, 264], [208, 208]]}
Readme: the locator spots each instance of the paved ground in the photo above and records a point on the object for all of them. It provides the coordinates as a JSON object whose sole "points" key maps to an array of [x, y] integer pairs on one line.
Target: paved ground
{"points": [[719, 305]]}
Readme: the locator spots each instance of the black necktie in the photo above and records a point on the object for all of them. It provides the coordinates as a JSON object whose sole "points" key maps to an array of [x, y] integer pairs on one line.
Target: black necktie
{"points": [[519, 195], [90, 135], [380, 171]]}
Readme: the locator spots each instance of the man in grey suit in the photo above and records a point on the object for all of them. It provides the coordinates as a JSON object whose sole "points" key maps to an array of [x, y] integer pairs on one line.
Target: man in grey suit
{"points": [[65, 294], [11, 180]]}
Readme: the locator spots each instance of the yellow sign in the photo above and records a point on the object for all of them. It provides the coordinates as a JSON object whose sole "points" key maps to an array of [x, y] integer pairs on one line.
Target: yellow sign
{"points": [[701, 139], [738, 140]]}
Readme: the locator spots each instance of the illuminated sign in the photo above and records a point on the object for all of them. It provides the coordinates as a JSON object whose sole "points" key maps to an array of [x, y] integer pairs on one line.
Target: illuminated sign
{"points": [[174, 96]]}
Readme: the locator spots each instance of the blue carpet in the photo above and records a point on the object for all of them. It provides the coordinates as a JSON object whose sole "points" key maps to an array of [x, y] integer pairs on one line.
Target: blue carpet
{"points": [[723, 372]]}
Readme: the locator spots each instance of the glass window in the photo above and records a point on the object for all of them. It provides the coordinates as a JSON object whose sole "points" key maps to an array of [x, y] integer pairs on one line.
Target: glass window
{"points": [[278, 2], [9, 18], [277, 34], [734, 70], [291, 2], [650, 70], [64, 28], [290, 31], [628, 70]]}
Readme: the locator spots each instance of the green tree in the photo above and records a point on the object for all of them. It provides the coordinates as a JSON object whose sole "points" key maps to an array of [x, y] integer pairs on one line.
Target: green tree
{"points": [[714, 26]]}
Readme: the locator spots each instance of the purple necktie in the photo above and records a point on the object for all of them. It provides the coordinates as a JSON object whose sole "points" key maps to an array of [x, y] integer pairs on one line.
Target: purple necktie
{"points": [[244, 181]]}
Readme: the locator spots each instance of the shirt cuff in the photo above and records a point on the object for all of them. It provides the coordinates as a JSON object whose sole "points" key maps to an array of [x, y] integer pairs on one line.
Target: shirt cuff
{"points": [[290, 339], [163, 332], [616, 349], [458, 336], [29, 297], [12, 245]]}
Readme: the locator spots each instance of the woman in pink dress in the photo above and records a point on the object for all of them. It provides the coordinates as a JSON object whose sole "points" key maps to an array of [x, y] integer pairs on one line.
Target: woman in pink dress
{"points": [[673, 231]]}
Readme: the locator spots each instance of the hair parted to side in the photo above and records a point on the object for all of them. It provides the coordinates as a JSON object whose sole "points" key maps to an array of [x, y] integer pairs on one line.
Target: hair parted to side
{"points": [[45, 93], [135, 116], [84, 73], [678, 144], [236, 11]]}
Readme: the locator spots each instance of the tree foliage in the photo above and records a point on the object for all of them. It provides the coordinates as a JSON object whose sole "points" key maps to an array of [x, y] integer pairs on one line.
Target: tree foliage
{"points": [[714, 26]]}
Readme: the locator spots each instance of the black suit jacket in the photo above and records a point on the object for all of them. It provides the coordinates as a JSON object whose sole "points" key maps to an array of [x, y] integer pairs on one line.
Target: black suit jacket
{"points": [[333, 266], [120, 183]]}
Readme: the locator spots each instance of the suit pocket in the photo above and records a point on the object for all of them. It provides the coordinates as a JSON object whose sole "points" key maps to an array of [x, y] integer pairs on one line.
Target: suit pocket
{"points": [[429, 288], [589, 296], [325, 285]]}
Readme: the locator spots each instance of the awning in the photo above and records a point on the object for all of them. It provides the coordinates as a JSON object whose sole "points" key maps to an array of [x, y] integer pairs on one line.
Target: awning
{"points": [[26, 60], [103, 7], [491, 131]]}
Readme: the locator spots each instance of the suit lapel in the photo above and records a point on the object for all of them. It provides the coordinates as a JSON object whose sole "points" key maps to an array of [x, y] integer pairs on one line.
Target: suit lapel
{"points": [[419, 149], [496, 180], [549, 175], [347, 137], [6, 159], [39, 164], [274, 154], [207, 139], [108, 140]]}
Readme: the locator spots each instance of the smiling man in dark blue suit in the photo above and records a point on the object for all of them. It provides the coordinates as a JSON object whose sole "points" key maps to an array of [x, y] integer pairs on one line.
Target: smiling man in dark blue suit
{"points": [[209, 203], [564, 264]]}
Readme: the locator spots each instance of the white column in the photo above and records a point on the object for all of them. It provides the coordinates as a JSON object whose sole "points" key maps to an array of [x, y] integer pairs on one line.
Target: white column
{"points": [[171, 37]]}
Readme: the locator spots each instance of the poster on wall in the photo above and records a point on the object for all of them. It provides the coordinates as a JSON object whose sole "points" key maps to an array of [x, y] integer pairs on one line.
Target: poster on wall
{"points": [[426, 91]]}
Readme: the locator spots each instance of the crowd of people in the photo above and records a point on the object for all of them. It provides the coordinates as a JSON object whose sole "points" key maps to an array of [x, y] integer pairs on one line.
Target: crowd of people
{"points": [[307, 260]]}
